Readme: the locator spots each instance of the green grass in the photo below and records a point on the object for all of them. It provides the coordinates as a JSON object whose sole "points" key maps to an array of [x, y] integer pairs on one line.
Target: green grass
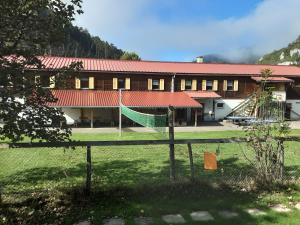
{"points": [[130, 180]]}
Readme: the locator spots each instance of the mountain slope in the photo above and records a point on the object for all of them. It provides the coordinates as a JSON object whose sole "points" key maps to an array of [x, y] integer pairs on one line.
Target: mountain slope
{"points": [[78, 42], [285, 56]]}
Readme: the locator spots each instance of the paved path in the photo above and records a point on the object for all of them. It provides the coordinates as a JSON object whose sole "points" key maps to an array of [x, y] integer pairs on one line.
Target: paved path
{"points": [[203, 128], [207, 126]]}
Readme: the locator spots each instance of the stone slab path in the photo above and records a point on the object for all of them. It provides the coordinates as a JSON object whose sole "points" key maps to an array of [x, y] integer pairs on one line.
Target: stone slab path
{"points": [[280, 208], [226, 214], [143, 220], [255, 212], [201, 216], [173, 219], [197, 216], [114, 221]]}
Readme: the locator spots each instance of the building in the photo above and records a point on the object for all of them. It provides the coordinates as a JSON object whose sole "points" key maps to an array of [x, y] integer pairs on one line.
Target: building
{"points": [[198, 91]]}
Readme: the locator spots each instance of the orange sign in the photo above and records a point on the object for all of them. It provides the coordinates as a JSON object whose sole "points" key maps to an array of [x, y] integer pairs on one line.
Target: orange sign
{"points": [[210, 161]]}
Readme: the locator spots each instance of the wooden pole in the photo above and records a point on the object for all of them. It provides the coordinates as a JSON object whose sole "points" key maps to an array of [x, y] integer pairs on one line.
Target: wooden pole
{"points": [[281, 158], [191, 161], [88, 170], [171, 139], [92, 118], [196, 117]]}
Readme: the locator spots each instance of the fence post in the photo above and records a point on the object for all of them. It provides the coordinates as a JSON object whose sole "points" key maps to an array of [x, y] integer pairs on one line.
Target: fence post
{"points": [[88, 170], [171, 145], [281, 161], [191, 161]]}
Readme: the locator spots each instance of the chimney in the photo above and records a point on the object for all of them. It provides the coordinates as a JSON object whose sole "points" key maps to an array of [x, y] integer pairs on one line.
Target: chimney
{"points": [[200, 59]]}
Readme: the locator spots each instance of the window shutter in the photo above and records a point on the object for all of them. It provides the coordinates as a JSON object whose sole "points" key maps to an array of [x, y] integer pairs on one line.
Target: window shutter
{"points": [[236, 85], [225, 85], [77, 83], [91, 82], [161, 84], [149, 84], [127, 83], [182, 84], [194, 85], [203, 85], [215, 85], [52, 82], [115, 83]]}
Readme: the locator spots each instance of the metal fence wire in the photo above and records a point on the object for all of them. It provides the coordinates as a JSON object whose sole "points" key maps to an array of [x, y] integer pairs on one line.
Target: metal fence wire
{"points": [[28, 170]]}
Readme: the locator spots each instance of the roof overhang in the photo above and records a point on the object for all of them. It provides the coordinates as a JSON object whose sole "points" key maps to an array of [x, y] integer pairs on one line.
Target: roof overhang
{"points": [[273, 79], [110, 99], [203, 94]]}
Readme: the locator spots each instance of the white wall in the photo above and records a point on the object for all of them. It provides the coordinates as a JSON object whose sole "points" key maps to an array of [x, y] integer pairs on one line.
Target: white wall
{"points": [[229, 104], [71, 115]]}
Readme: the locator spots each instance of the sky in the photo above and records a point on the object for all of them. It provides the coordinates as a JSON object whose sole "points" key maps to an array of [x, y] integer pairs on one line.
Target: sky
{"points": [[181, 30]]}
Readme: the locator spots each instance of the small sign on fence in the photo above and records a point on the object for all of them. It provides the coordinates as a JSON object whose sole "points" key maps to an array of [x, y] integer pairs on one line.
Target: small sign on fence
{"points": [[210, 161]]}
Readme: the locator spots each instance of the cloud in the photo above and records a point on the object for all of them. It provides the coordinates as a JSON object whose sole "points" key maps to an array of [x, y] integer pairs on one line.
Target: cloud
{"points": [[131, 25]]}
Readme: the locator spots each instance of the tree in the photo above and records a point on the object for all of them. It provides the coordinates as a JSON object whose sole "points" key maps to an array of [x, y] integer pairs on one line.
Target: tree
{"points": [[26, 26], [265, 136], [130, 56]]}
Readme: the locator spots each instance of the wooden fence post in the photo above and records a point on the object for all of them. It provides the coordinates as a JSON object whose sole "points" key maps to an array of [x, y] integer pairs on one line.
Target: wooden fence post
{"points": [[281, 160], [88, 170], [191, 161], [171, 145]]}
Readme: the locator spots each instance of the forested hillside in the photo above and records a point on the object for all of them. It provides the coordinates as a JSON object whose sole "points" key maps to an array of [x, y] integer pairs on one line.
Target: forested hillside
{"points": [[285, 56], [79, 43]]}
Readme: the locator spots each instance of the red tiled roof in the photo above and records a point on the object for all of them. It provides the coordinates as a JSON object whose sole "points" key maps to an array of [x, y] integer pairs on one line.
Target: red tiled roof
{"points": [[202, 94], [125, 66], [94, 98], [272, 79]]}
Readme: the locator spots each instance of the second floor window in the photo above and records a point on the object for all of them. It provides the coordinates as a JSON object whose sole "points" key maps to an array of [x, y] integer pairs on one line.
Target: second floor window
{"points": [[155, 84], [209, 85], [84, 83], [121, 83], [230, 85], [188, 85]]}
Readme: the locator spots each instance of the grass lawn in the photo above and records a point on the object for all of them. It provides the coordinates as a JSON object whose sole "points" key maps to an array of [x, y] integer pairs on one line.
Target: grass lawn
{"points": [[131, 181]]}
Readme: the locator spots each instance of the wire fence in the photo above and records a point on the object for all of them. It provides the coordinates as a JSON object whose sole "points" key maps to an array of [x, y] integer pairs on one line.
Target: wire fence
{"points": [[29, 170]]}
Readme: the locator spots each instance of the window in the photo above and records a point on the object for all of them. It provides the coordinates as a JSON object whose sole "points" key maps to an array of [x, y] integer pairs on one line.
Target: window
{"points": [[188, 84], [220, 105], [209, 85], [155, 84], [45, 81], [84, 83], [121, 83], [230, 85]]}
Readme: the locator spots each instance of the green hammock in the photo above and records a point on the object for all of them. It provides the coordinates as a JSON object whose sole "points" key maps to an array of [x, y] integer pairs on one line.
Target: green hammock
{"points": [[146, 120]]}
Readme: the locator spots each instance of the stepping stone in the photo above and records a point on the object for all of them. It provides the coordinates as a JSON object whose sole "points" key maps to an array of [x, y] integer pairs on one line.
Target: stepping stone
{"points": [[201, 216], [297, 206], [173, 219], [143, 220], [228, 214], [256, 212], [83, 223], [113, 221], [280, 208]]}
